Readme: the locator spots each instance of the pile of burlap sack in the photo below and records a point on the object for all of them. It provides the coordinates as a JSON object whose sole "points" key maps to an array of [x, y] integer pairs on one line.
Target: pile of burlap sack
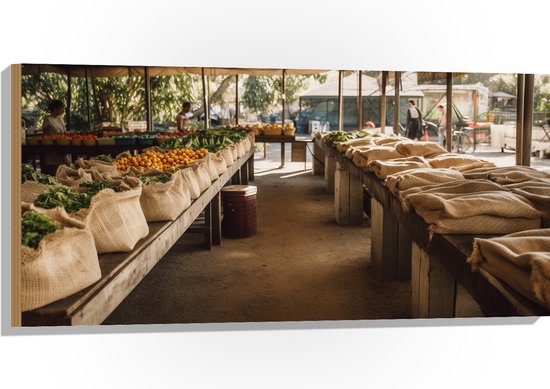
{"points": [[66, 261]]}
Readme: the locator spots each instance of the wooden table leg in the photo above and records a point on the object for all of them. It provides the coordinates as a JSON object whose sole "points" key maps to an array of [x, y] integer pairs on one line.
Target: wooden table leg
{"points": [[318, 156], [250, 164], [282, 154], [236, 179], [244, 174], [216, 220], [341, 195], [265, 150], [208, 225], [330, 167]]}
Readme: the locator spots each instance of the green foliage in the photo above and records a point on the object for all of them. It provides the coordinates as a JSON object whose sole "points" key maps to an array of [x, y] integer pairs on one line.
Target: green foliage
{"points": [[64, 197], [34, 227]]}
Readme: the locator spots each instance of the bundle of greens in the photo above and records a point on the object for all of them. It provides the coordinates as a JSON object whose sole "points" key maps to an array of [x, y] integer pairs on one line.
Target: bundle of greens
{"points": [[34, 227], [105, 158], [160, 178], [94, 187], [30, 174], [70, 199], [339, 136]]}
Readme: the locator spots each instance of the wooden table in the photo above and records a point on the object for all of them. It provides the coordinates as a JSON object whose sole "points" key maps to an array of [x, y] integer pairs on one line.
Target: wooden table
{"points": [[282, 139], [121, 272]]}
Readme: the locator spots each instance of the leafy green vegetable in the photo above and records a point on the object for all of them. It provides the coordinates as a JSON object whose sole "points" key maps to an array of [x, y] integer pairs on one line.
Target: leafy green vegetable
{"points": [[67, 198], [93, 188], [105, 158], [30, 174], [339, 136], [34, 227], [160, 178]]}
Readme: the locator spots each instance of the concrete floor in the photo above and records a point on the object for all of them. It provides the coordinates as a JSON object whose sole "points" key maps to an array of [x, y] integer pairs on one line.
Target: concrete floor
{"points": [[299, 266]]}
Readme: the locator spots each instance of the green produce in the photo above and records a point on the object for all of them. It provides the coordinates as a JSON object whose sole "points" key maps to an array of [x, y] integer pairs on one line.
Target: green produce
{"points": [[339, 136], [34, 227], [105, 158], [94, 187], [70, 199], [30, 174], [160, 178]]}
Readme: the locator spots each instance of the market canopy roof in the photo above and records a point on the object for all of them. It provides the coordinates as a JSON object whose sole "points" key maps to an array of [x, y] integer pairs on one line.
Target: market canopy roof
{"points": [[501, 94], [370, 87], [155, 71]]}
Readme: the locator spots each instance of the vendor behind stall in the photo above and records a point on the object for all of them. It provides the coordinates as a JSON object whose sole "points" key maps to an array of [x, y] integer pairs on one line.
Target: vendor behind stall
{"points": [[183, 116], [53, 125]]}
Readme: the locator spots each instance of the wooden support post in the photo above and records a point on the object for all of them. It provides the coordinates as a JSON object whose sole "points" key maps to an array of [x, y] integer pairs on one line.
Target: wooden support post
{"points": [[282, 154], [396, 103], [384, 236], [519, 117], [250, 165], [528, 104], [341, 195], [216, 213], [236, 178], [208, 225], [383, 102], [341, 100], [330, 168], [465, 305], [432, 286], [318, 156], [404, 245], [205, 99], [283, 99], [12, 83], [69, 99], [237, 99], [359, 100], [244, 174], [148, 107], [355, 196], [449, 113], [87, 89]]}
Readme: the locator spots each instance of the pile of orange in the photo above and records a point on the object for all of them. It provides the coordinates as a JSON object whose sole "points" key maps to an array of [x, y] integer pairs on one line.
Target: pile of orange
{"points": [[160, 160]]}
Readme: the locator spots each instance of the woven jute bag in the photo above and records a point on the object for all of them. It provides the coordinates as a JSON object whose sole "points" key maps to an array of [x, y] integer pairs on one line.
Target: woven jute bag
{"points": [[210, 167], [115, 219], [30, 190], [227, 155], [189, 181], [218, 163], [163, 201], [64, 263], [72, 177], [247, 144], [95, 164], [201, 175], [240, 149], [234, 151]]}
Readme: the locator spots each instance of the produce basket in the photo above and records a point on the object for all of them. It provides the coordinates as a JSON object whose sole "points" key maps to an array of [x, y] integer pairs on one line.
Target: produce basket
{"points": [[89, 142], [76, 142], [149, 141], [33, 141], [63, 142], [289, 132], [272, 131], [48, 142], [106, 141], [126, 141]]}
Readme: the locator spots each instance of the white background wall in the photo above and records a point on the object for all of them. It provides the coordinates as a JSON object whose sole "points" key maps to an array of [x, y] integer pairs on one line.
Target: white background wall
{"points": [[346, 34]]}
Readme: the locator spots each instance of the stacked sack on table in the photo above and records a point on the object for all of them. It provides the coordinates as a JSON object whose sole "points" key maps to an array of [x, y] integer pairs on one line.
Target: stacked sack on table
{"points": [[521, 260]]}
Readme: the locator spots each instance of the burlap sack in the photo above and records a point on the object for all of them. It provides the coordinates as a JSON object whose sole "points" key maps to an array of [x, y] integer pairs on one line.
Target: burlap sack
{"points": [[95, 164], [227, 155], [210, 167], [115, 219], [421, 149], [516, 174], [64, 263], [382, 169], [190, 182], [391, 141], [420, 177], [538, 193], [451, 160], [218, 162], [30, 190], [494, 212], [344, 146], [164, 201], [247, 144], [474, 165], [72, 177], [234, 152], [380, 153], [521, 260], [201, 175], [240, 149], [352, 150]]}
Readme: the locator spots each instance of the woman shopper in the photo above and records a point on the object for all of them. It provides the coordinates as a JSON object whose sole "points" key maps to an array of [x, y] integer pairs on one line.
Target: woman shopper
{"points": [[414, 121]]}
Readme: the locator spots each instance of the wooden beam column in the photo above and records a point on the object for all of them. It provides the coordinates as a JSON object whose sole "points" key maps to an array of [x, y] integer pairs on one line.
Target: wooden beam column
{"points": [[236, 99], [449, 113], [383, 102], [528, 105], [360, 100], [396, 102], [283, 98], [341, 100], [205, 99], [519, 117], [69, 98], [148, 108]]}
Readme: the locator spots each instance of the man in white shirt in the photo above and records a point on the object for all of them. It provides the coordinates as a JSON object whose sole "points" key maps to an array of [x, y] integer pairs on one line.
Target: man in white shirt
{"points": [[53, 124], [414, 121]]}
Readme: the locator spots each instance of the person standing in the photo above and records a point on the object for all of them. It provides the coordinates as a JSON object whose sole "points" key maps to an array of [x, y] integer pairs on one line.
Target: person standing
{"points": [[414, 121], [441, 125], [183, 116], [53, 123]]}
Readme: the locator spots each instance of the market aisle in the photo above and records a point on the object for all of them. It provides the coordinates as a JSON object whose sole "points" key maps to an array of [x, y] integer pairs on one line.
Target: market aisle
{"points": [[299, 266]]}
